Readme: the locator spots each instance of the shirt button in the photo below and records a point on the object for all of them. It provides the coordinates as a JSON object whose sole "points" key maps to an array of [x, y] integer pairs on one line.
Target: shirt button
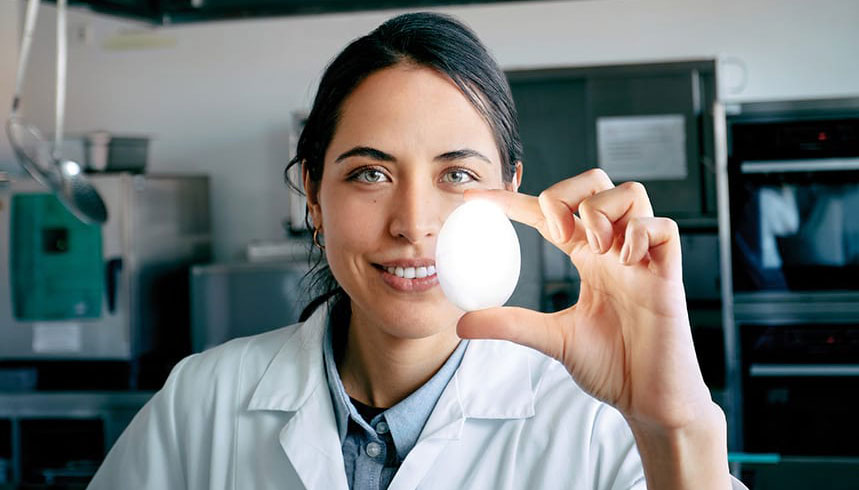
{"points": [[374, 449], [382, 428]]}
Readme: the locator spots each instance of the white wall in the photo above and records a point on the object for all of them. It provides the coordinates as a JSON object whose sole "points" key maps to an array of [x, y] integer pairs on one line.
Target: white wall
{"points": [[219, 100], [8, 67]]}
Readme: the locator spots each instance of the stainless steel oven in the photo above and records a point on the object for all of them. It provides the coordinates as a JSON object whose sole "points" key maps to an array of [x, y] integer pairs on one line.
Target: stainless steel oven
{"points": [[794, 195], [788, 185], [70, 291], [801, 388]]}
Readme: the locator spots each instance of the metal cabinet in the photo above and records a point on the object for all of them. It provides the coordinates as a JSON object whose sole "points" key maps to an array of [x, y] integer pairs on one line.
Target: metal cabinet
{"points": [[60, 438], [559, 111]]}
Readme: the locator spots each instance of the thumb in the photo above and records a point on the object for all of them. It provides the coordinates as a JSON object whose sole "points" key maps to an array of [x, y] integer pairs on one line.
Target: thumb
{"points": [[539, 331]]}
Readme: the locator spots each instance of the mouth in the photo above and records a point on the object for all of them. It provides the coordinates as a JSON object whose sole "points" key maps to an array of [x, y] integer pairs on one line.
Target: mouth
{"points": [[415, 277], [408, 272]]}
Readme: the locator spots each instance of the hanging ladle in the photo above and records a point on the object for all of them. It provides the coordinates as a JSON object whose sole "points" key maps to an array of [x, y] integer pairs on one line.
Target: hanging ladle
{"points": [[63, 176]]}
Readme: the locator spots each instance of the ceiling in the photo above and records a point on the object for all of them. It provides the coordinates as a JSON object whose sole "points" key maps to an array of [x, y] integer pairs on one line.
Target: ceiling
{"points": [[162, 12]]}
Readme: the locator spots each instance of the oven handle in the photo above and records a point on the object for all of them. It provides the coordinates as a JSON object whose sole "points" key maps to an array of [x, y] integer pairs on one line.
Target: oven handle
{"points": [[777, 370], [784, 166], [114, 270]]}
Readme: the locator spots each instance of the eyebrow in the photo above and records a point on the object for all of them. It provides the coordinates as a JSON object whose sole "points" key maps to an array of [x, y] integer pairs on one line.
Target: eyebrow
{"points": [[374, 154]]}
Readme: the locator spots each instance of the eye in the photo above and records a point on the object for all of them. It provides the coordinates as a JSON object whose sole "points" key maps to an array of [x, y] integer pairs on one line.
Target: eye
{"points": [[369, 175], [459, 176]]}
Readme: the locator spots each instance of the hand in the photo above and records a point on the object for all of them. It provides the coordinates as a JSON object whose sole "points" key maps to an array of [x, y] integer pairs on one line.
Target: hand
{"points": [[627, 341]]}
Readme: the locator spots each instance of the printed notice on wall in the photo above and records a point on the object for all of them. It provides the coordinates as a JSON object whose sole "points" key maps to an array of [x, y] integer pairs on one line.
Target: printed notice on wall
{"points": [[57, 337], [642, 147]]}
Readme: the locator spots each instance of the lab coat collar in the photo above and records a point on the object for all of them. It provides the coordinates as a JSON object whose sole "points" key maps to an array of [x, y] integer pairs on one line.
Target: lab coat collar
{"points": [[295, 381], [495, 381], [506, 393], [297, 369]]}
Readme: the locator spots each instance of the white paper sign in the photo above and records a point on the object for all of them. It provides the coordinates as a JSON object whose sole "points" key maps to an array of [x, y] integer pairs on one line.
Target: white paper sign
{"points": [[642, 147], [57, 337]]}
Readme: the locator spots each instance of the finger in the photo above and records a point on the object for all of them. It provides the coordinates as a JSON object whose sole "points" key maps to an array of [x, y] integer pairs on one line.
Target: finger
{"points": [[560, 220], [539, 331], [553, 210], [606, 213], [654, 239], [519, 207], [561, 200]]}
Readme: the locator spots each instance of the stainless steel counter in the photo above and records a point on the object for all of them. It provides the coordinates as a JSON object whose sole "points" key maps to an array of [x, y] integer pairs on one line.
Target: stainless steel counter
{"points": [[113, 409]]}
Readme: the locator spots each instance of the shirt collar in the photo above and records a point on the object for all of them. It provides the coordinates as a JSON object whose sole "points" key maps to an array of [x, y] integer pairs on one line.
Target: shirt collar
{"points": [[407, 418]]}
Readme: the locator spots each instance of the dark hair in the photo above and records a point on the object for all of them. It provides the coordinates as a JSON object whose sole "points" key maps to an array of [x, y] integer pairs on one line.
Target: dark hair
{"points": [[426, 39]]}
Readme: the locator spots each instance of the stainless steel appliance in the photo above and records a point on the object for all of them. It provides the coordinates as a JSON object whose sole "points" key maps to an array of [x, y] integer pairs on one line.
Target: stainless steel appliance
{"points": [[789, 250], [801, 387], [794, 194], [236, 300], [71, 291]]}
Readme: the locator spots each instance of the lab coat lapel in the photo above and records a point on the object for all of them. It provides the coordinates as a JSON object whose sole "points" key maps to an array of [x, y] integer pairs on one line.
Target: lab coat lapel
{"points": [[444, 425], [311, 443], [508, 393], [295, 382]]}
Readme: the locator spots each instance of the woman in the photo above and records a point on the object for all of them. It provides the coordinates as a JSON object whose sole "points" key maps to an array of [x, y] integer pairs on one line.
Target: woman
{"points": [[375, 389]]}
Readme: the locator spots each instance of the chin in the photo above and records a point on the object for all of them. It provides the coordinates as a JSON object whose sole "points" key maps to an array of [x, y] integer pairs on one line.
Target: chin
{"points": [[416, 320]]}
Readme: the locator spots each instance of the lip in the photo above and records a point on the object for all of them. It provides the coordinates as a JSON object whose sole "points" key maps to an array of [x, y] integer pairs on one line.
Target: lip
{"points": [[416, 285]]}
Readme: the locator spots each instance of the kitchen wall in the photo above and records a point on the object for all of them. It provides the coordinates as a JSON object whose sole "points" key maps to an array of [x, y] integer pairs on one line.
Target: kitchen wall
{"points": [[8, 61], [217, 97]]}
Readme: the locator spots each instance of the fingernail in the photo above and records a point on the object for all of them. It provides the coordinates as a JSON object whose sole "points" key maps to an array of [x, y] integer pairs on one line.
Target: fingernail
{"points": [[593, 242], [554, 230], [624, 253]]}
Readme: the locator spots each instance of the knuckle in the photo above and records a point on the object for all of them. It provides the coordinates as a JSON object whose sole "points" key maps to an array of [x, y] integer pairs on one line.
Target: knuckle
{"points": [[544, 201], [586, 207], [635, 187], [637, 225], [597, 173], [601, 176], [544, 196], [670, 225]]}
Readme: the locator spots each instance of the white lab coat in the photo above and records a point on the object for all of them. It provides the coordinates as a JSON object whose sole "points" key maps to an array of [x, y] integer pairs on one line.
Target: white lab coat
{"points": [[256, 413]]}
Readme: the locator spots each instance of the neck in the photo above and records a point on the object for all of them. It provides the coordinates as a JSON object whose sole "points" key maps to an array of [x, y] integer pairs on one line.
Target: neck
{"points": [[379, 369]]}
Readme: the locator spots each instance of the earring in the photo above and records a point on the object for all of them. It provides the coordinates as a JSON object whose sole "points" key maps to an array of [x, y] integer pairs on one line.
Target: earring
{"points": [[316, 239]]}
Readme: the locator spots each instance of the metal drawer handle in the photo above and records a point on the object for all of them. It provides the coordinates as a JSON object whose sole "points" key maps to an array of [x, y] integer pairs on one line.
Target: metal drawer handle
{"points": [[816, 165], [761, 370]]}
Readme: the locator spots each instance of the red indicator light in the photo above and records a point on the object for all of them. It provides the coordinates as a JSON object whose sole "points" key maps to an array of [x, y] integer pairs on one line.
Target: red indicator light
{"points": [[821, 136]]}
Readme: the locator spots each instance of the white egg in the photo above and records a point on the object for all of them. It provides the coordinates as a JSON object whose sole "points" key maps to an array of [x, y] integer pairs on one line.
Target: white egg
{"points": [[477, 256]]}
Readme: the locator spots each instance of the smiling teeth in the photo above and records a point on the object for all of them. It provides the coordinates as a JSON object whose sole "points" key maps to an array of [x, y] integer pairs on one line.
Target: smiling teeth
{"points": [[411, 272]]}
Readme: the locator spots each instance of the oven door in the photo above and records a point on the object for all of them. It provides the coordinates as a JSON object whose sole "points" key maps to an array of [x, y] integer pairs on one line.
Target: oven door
{"points": [[801, 389], [795, 226]]}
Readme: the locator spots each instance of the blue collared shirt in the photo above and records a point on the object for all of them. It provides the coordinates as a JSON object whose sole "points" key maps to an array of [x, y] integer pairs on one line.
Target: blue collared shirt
{"points": [[373, 450]]}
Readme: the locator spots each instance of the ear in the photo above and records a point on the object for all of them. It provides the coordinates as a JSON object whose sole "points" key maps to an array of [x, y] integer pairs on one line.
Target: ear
{"points": [[311, 191], [514, 184]]}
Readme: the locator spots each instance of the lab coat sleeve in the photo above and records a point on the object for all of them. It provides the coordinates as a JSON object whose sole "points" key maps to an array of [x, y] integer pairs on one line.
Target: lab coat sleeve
{"points": [[147, 454], [616, 463]]}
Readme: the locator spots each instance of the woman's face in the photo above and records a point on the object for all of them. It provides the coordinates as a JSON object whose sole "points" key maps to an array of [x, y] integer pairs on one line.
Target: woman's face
{"points": [[407, 145]]}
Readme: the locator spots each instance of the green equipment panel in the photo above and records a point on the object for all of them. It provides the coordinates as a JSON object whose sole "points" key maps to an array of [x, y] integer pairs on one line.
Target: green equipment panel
{"points": [[56, 261]]}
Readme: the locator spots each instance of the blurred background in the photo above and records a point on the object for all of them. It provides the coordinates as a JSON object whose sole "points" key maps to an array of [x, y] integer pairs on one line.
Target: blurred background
{"points": [[741, 118]]}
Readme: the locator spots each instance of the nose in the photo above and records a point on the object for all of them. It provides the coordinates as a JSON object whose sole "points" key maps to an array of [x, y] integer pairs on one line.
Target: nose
{"points": [[418, 213]]}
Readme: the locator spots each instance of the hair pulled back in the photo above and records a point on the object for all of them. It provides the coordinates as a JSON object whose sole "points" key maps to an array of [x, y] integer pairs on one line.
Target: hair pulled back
{"points": [[432, 40]]}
